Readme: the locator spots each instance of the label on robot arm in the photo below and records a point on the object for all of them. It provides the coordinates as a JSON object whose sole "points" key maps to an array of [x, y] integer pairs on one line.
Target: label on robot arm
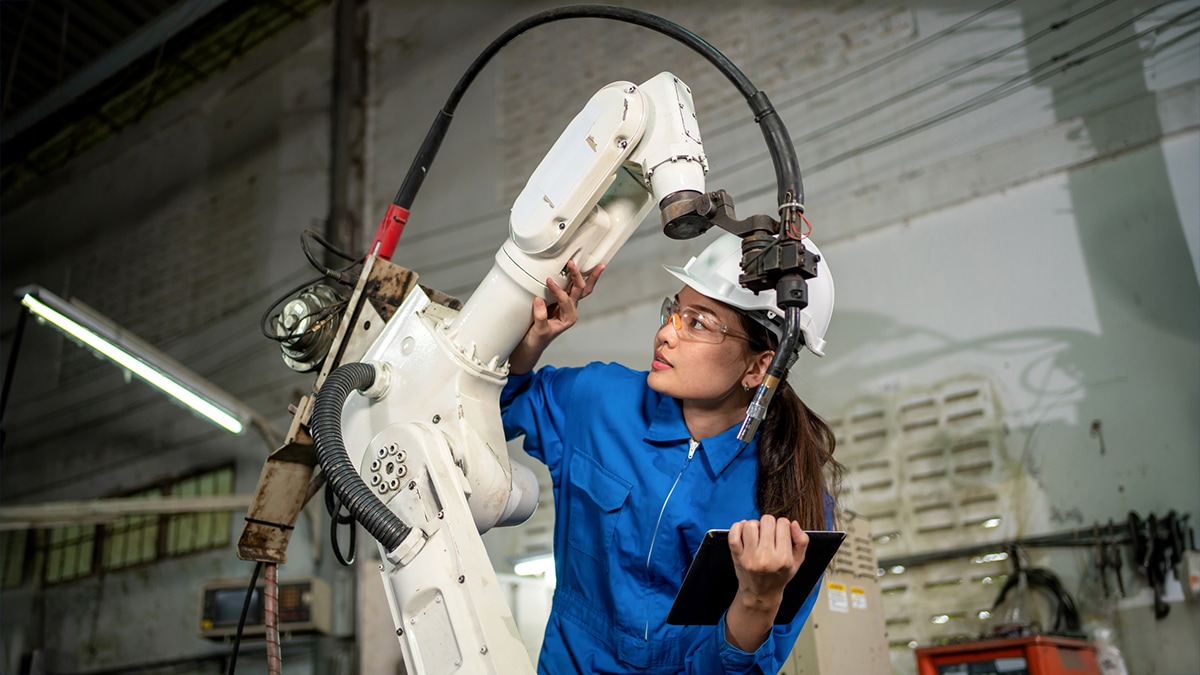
{"points": [[839, 600]]}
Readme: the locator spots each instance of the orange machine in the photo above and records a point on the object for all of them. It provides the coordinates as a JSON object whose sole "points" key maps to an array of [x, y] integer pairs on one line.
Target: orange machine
{"points": [[1034, 655]]}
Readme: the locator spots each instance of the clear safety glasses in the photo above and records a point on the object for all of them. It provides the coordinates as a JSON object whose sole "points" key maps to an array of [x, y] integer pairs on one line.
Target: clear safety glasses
{"points": [[691, 324]]}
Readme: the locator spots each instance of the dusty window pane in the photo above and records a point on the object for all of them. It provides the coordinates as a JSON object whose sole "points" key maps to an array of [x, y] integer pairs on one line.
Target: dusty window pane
{"points": [[69, 552], [15, 544], [132, 539], [189, 532]]}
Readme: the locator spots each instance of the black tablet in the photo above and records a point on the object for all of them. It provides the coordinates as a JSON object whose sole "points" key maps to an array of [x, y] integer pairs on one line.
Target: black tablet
{"points": [[710, 583]]}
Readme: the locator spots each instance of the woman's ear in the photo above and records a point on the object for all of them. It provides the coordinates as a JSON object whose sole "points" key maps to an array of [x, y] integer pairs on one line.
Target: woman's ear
{"points": [[756, 370]]}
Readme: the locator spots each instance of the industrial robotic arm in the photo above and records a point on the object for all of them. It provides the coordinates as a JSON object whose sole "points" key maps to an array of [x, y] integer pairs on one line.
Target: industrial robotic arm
{"points": [[410, 438], [405, 420]]}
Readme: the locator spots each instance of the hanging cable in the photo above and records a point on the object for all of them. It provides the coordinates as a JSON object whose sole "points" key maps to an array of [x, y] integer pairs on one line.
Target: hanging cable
{"points": [[22, 317], [888, 60], [237, 635], [334, 507], [946, 77], [942, 79], [789, 185], [1031, 77]]}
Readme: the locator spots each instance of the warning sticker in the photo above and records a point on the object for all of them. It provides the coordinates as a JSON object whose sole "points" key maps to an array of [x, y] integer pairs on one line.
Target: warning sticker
{"points": [[858, 597], [838, 600]]}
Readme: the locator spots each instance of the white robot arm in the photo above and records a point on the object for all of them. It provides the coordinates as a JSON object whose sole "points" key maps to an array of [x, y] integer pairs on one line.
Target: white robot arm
{"points": [[424, 438]]}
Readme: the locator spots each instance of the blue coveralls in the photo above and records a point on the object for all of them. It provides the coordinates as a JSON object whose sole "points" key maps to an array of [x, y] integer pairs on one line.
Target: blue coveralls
{"points": [[632, 505]]}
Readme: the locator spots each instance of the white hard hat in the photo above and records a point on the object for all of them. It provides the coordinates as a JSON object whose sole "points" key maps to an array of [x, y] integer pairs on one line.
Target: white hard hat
{"points": [[714, 274]]}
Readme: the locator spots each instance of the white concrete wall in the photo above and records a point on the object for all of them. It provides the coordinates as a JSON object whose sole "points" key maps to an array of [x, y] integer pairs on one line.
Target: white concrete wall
{"points": [[1044, 246]]}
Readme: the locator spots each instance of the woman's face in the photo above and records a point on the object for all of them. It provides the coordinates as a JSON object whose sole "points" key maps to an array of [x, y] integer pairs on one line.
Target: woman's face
{"points": [[705, 372]]}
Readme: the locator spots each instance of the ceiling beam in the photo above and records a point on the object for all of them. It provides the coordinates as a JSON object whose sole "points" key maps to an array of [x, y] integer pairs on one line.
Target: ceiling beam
{"points": [[95, 511], [153, 34]]}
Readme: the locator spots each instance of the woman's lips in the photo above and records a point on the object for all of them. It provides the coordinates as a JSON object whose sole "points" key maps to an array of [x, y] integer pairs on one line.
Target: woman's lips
{"points": [[659, 363]]}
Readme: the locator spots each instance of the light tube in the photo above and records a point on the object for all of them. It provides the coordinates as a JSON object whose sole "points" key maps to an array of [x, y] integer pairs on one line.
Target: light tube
{"points": [[143, 366], [534, 566]]}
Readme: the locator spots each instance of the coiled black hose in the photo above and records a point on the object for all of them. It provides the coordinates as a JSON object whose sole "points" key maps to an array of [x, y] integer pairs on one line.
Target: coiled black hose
{"points": [[326, 424]]}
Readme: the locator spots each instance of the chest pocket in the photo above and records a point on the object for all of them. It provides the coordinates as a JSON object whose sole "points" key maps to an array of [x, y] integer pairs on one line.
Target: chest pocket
{"points": [[597, 495]]}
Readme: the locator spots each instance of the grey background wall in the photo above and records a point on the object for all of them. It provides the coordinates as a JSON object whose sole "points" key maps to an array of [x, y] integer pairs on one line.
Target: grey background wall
{"points": [[1011, 213]]}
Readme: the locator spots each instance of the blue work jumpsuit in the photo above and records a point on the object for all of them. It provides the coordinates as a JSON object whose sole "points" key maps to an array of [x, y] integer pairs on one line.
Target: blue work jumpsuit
{"points": [[632, 500]]}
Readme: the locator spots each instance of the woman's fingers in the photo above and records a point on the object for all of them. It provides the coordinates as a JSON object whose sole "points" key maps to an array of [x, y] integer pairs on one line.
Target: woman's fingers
{"points": [[592, 278], [799, 543], [735, 538]]}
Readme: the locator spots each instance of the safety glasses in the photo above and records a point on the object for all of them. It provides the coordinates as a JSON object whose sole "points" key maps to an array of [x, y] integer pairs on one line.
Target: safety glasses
{"points": [[692, 324]]}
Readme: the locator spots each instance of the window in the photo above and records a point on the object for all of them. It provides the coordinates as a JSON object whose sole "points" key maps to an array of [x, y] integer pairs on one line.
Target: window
{"points": [[132, 540], [188, 532], [69, 552], [13, 546], [76, 551]]}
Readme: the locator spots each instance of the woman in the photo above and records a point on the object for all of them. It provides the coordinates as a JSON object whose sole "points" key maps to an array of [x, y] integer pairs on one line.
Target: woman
{"points": [[643, 464]]}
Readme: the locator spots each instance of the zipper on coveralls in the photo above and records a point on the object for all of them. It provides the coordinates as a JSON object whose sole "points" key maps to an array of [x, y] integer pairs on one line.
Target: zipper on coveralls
{"points": [[691, 452]]}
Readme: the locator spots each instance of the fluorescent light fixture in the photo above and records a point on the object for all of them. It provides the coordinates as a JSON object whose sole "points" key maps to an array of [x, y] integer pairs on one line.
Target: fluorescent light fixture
{"points": [[90, 328], [538, 565]]}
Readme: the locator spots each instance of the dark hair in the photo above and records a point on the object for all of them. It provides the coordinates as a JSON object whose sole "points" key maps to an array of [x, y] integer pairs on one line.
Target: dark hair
{"points": [[798, 478]]}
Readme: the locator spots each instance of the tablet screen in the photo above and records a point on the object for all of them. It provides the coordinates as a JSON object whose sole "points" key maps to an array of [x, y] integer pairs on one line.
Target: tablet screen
{"points": [[711, 584]]}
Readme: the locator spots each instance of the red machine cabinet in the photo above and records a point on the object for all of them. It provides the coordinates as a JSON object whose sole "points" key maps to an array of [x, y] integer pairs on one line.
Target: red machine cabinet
{"points": [[1035, 655]]}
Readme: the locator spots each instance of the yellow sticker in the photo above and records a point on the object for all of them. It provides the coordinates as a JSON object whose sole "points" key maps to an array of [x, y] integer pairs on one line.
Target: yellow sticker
{"points": [[835, 586]]}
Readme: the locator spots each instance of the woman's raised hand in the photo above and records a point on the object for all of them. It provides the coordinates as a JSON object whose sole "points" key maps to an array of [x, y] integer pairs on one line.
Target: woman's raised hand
{"points": [[553, 319]]}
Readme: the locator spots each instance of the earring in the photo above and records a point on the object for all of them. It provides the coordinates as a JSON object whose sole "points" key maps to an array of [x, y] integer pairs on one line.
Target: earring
{"points": [[745, 387]]}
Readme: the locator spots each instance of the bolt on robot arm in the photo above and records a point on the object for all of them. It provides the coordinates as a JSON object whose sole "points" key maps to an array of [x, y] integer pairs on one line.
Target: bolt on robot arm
{"points": [[420, 456]]}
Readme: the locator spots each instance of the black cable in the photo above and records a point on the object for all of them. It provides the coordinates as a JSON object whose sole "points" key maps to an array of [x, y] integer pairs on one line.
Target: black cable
{"points": [[326, 423], [1011, 86], [262, 320], [887, 60], [945, 77], [941, 79], [12, 360], [337, 275], [891, 58], [1066, 613], [328, 246], [778, 141], [237, 637], [334, 507]]}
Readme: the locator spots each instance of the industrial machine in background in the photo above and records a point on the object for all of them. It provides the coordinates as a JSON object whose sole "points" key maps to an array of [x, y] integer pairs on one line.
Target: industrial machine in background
{"points": [[846, 632], [403, 424], [305, 607], [1037, 627]]}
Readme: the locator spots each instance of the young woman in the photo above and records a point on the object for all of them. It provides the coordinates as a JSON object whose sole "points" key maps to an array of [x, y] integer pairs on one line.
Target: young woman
{"points": [[643, 464]]}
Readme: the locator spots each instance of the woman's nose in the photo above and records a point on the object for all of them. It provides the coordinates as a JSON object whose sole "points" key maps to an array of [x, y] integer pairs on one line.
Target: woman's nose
{"points": [[666, 333]]}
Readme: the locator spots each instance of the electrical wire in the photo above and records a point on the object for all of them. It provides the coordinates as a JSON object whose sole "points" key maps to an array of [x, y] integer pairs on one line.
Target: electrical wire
{"points": [[782, 153], [1066, 613], [334, 507], [888, 60], [1031, 77], [940, 79], [946, 77], [237, 636], [325, 314], [262, 320], [307, 234], [22, 317]]}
